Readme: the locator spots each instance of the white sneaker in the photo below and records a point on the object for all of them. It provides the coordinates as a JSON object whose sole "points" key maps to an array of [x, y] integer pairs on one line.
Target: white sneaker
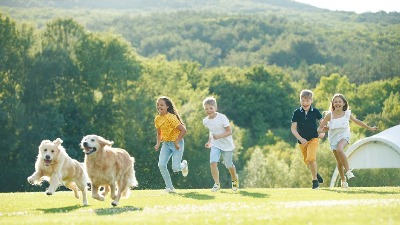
{"points": [[345, 184], [185, 170], [235, 183], [349, 174], [170, 190], [215, 188]]}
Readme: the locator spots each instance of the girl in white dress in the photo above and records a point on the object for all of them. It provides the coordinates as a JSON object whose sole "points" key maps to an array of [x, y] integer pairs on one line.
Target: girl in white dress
{"points": [[336, 122]]}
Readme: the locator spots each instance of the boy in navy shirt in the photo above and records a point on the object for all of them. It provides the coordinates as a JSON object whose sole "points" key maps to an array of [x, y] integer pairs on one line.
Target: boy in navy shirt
{"points": [[304, 128]]}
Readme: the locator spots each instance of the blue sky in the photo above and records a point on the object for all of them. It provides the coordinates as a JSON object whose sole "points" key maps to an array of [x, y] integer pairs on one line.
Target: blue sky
{"points": [[358, 6]]}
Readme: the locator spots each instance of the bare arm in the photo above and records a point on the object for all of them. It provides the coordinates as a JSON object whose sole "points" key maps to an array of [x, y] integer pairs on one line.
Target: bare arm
{"points": [[159, 137], [182, 133], [296, 133], [208, 144], [321, 134], [362, 124], [227, 133], [323, 124]]}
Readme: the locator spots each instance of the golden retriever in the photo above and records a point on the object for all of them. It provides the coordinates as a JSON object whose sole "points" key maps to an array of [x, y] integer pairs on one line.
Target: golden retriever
{"points": [[108, 167], [55, 166]]}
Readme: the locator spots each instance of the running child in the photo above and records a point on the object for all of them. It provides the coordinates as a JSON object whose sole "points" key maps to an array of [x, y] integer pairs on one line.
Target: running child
{"points": [[220, 141], [304, 128], [336, 122], [170, 131]]}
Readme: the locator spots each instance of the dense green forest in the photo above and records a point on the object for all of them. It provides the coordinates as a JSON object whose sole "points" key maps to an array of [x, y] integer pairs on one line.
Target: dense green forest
{"points": [[72, 68]]}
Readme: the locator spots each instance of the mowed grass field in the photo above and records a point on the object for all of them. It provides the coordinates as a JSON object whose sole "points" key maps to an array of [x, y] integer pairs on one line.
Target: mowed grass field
{"points": [[380, 205]]}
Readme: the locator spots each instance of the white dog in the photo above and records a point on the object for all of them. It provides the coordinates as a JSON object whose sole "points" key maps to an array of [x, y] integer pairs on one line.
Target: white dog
{"points": [[54, 165], [111, 168]]}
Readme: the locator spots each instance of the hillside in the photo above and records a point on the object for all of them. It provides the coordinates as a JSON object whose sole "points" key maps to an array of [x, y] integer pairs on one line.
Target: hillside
{"points": [[225, 5], [241, 33]]}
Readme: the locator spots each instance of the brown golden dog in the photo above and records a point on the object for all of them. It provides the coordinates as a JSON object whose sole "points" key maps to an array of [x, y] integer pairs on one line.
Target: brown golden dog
{"points": [[54, 165], [111, 168]]}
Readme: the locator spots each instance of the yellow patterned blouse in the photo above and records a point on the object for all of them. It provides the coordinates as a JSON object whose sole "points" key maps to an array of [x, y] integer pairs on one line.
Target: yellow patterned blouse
{"points": [[168, 124]]}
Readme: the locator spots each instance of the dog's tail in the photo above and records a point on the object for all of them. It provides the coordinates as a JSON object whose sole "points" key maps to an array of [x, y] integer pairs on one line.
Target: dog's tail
{"points": [[132, 182]]}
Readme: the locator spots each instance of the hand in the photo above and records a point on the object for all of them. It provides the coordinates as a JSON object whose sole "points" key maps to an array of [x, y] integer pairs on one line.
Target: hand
{"points": [[177, 145], [303, 141], [321, 135], [215, 136], [323, 129], [374, 128], [156, 147], [207, 145]]}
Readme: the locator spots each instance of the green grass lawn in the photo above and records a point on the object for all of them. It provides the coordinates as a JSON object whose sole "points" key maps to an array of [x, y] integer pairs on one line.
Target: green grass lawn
{"points": [[378, 206]]}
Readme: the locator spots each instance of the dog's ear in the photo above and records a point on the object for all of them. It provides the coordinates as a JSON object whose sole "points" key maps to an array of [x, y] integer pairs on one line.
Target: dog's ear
{"points": [[58, 141], [104, 141]]}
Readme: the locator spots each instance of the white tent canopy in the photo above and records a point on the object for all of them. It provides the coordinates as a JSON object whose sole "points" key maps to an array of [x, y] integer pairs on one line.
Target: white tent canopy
{"points": [[381, 150]]}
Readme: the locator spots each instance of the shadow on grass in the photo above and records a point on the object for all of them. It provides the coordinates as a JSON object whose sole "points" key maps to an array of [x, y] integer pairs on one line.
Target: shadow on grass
{"points": [[197, 196], [116, 210], [62, 209], [359, 191], [253, 194], [245, 193]]}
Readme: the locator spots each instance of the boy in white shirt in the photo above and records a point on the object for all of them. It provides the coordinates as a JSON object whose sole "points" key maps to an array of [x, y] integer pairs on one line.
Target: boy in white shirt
{"points": [[220, 141]]}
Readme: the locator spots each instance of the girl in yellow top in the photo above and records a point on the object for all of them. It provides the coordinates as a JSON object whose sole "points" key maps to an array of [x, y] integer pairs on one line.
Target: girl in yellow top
{"points": [[170, 131]]}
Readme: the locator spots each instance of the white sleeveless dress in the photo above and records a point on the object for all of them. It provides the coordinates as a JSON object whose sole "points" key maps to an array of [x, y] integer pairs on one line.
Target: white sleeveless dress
{"points": [[339, 129]]}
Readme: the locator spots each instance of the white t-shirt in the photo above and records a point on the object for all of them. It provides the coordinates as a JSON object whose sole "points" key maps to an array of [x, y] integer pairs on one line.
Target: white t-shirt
{"points": [[217, 125]]}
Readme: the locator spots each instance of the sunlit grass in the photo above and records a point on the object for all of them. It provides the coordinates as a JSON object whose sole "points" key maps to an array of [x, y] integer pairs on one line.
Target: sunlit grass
{"points": [[201, 206]]}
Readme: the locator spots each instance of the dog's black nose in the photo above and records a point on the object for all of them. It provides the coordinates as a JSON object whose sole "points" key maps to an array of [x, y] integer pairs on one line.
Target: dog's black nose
{"points": [[85, 144], [47, 157]]}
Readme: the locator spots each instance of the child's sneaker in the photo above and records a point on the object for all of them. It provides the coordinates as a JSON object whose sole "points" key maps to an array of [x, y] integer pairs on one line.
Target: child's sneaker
{"points": [[320, 179], [170, 190], [185, 170], [215, 188], [315, 184], [235, 183], [349, 174], [345, 184]]}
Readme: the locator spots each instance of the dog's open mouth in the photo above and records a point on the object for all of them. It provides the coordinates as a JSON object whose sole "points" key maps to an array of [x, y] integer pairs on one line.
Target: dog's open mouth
{"points": [[90, 150], [47, 162]]}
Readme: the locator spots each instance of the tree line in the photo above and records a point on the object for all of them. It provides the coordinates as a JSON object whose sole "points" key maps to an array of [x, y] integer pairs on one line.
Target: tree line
{"points": [[306, 44]]}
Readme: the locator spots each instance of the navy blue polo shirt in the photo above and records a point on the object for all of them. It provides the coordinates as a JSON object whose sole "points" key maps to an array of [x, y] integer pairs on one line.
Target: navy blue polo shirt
{"points": [[307, 123]]}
